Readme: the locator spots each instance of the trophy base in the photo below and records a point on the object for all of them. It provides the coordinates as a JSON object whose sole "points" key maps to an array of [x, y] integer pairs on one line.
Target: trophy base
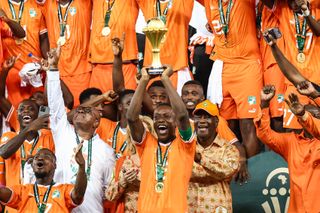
{"points": [[155, 70]]}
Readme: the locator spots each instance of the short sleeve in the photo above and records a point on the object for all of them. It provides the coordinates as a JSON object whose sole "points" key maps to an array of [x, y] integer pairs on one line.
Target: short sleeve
{"points": [[12, 119], [225, 132], [68, 188], [147, 136], [7, 137], [43, 26], [15, 199]]}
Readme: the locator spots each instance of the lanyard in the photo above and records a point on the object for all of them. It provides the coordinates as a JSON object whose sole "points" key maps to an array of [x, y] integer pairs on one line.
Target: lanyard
{"points": [[114, 142], [41, 206], [63, 21], [163, 16], [13, 12], [161, 163], [225, 19], [301, 33], [23, 152], [89, 159], [108, 13]]}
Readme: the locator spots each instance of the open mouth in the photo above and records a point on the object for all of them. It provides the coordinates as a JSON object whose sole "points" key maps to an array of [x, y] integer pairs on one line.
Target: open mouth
{"points": [[40, 164], [202, 128], [163, 129], [26, 118], [190, 104]]}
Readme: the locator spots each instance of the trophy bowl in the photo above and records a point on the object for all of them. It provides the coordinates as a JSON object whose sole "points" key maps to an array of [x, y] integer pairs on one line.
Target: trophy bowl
{"points": [[155, 32]]}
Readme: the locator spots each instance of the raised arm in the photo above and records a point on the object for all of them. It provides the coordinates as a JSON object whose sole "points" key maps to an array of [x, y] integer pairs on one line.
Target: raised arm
{"points": [[135, 124], [177, 104], [67, 95], [10, 147], [15, 27], [81, 181], [117, 72], [5, 105], [286, 67], [312, 23]]}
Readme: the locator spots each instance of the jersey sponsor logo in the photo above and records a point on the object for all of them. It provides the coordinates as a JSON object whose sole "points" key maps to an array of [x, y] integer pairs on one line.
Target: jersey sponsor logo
{"points": [[32, 12], [280, 98], [73, 11], [252, 100]]}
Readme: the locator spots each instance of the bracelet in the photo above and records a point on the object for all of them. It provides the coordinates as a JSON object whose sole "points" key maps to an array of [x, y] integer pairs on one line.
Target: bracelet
{"points": [[306, 13], [53, 69]]}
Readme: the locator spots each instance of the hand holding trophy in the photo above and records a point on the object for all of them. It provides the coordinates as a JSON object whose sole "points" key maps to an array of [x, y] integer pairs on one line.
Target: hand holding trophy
{"points": [[155, 31]]}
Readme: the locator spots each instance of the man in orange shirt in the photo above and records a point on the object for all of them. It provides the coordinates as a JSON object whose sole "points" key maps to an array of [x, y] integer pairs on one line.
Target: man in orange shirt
{"points": [[193, 94], [237, 63], [298, 22], [68, 23], [47, 196], [113, 18], [29, 16], [166, 161], [299, 150], [176, 15]]}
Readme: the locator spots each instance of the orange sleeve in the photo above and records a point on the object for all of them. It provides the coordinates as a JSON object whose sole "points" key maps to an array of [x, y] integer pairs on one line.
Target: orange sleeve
{"points": [[147, 137], [311, 124], [2, 172], [7, 137], [43, 26], [5, 31], [225, 132], [12, 119], [67, 196], [15, 200], [278, 142]]}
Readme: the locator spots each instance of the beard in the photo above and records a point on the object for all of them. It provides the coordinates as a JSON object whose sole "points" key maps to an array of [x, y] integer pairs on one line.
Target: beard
{"points": [[40, 174]]}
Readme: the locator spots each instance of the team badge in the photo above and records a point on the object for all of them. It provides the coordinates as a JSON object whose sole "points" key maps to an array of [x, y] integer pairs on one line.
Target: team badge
{"points": [[32, 12], [56, 194], [4, 139], [72, 11], [280, 98], [252, 100]]}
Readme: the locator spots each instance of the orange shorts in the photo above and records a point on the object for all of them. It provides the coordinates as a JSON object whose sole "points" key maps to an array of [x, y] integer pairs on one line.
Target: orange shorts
{"points": [[241, 85], [76, 84], [273, 76], [290, 121], [102, 76], [16, 93]]}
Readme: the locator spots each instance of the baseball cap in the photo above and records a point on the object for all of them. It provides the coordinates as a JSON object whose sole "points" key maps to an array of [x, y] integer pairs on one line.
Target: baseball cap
{"points": [[207, 106]]}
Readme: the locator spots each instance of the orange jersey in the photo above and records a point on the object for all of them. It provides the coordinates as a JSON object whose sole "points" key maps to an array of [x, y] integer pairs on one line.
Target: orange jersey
{"points": [[173, 198], [2, 172], [178, 19], [310, 68], [13, 163], [74, 53], [123, 19], [242, 42], [4, 33], [12, 119], [23, 198]]}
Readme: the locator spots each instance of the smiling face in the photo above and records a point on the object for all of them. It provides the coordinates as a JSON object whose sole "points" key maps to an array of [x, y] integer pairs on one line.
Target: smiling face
{"points": [[164, 123], [44, 163], [27, 112], [205, 125], [192, 94], [158, 96], [86, 118]]}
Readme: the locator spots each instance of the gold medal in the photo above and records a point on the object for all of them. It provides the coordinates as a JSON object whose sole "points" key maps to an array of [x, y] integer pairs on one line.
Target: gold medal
{"points": [[19, 41], [105, 31], [159, 187], [301, 58], [61, 40]]}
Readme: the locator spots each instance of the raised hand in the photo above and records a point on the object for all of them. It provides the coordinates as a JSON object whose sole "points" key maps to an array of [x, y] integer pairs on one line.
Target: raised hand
{"points": [[53, 57], [45, 66], [302, 4], [118, 45], [168, 71], [79, 156], [40, 123], [144, 74], [306, 88], [110, 96], [267, 93], [269, 38], [295, 106]]}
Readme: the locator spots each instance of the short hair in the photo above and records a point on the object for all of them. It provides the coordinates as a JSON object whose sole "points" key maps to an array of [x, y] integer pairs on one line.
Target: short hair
{"points": [[50, 151], [85, 94], [124, 93], [29, 101], [162, 105], [156, 84], [193, 82]]}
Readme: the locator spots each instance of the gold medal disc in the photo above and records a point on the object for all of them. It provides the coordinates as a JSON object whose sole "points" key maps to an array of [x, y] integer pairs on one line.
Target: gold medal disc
{"points": [[61, 40], [301, 57], [159, 187], [105, 31]]}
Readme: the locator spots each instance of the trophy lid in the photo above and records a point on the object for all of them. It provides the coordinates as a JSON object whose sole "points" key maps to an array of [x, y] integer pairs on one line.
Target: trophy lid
{"points": [[155, 24]]}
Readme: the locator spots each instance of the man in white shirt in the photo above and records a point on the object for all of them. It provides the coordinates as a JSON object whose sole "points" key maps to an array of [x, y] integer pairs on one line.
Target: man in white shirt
{"points": [[98, 155]]}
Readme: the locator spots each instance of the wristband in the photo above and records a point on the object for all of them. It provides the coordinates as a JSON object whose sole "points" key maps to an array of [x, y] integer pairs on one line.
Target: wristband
{"points": [[306, 12], [186, 134]]}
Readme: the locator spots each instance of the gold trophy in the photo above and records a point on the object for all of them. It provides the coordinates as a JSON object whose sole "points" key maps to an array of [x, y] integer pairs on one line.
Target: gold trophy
{"points": [[155, 31]]}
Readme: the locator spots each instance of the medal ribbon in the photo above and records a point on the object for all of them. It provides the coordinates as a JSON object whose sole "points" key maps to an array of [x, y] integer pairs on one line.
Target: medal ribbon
{"points": [[225, 19], [114, 143], [41, 206], [13, 12], [89, 159], [301, 33], [161, 163], [63, 20], [108, 13], [23, 152], [163, 16]]}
